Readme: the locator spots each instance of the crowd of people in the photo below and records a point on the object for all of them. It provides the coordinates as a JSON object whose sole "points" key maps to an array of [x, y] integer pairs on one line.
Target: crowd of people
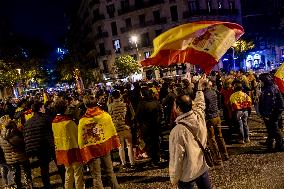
{"points": [[82, 130]]}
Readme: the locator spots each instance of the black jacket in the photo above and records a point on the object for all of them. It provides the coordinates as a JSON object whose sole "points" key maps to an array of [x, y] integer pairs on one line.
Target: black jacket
{"points": [[38, 135]]}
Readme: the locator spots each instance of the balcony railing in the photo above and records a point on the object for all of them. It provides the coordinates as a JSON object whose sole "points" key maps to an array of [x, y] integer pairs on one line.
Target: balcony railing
{"points": [[214, 12], [139, 46], [162, 20], [94, 2], [141, 6], [98, 17]]}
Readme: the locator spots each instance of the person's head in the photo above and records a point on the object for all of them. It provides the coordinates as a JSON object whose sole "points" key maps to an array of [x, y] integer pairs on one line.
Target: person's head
{"points": [[38, 107], [183, 104], [185, 83], [60, 107], [89, 101], [147, 94], [238, 86], [207, 85], [116, 94]]}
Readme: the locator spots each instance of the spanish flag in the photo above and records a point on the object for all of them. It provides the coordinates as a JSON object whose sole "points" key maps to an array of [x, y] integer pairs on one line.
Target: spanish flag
{"points": [[65, 132], [279, 78], [97, 135], [200, 43]]}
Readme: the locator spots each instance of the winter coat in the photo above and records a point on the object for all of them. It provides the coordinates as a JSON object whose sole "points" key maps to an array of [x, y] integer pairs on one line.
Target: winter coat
{"points": [[117, 110], [12, 143], [38, 135], [149, 114], [186, 157], [270, 101], [211, 101]]}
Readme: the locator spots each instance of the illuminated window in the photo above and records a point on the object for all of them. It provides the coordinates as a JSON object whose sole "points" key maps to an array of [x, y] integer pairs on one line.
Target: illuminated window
{"points": [[147, 54], [116, 45]]}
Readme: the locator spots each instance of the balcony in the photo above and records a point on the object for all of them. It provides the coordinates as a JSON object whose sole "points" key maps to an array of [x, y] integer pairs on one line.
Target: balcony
{"points": [[162, 20], [139, 46], [148, 4], [213, 12], [98, 17], [101, 35], [94, 2]]}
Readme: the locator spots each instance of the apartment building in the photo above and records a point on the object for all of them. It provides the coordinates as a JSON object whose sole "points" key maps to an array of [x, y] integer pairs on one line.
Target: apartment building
{"points": [[111, 28]]}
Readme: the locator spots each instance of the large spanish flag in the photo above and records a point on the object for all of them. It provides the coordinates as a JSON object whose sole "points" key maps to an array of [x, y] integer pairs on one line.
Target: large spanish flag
{"points": [[97, 135], [279, 78], [200, 43]]}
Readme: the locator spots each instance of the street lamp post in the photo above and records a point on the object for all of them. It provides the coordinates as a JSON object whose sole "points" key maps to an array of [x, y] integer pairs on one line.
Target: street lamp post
{"points": [[134, 39]]}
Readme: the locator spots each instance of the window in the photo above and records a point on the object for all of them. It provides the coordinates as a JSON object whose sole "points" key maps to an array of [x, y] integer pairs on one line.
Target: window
{"points": [[147, 54], [128, 23], [139, 3], [193, 6], [209, 6], [102, 49], [157, 16], [174, 13], [116, 45], [124, 4], [220, 5], [232, 5], [100, 31], [142, 20], [105, 66], [110, 10], [113, 28], [145, 40], [158, 32]]}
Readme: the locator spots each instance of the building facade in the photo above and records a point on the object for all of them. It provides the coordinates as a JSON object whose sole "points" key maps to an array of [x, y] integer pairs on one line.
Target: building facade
{"points": [[112, 28]]}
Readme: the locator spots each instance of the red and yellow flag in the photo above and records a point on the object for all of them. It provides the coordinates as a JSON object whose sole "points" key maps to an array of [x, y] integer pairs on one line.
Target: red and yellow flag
{"points": [[65, 132], [200, 43], [279, 78], [97, 135]]}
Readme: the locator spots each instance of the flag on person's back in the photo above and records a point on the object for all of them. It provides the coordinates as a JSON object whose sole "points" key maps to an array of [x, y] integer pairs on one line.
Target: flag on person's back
{"points": [[279, 78], [201, 43]]}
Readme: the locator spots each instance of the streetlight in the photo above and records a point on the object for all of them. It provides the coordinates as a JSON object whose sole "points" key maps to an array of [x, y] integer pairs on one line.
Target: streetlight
{"points": [[134, 39]]}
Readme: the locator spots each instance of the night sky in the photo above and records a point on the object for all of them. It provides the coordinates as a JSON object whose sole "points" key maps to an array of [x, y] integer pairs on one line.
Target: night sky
{"points": [[43, 20]]}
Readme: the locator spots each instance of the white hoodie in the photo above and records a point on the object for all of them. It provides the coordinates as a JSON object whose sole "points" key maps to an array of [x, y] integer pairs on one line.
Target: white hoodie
{"points": [[186, 157]]}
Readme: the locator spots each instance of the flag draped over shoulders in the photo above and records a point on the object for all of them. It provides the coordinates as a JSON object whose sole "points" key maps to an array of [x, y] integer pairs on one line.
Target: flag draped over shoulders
{"points": [[65, 132], [97, 135], [201, 43], [240, 101]]}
